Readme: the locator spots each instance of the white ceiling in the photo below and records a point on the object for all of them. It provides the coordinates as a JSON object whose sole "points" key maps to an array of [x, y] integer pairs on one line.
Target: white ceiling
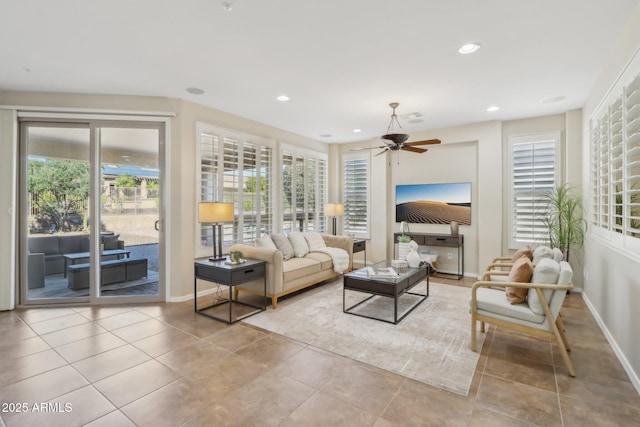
{"points": [[341, 62]]}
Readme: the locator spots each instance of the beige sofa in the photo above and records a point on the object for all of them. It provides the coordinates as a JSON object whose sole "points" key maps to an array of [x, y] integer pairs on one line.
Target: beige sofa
{"points": [[285, 277]]}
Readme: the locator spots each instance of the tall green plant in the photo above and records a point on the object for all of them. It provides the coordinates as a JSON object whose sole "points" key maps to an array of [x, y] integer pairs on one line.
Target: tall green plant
{"points": [[563, 216]]}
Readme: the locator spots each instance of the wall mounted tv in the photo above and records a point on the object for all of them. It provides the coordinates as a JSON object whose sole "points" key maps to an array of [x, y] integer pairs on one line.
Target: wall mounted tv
{"points": [[434, 203]]}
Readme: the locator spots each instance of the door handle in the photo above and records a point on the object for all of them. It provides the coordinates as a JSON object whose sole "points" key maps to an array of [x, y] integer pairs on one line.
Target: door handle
{"points": [[157, 225]]}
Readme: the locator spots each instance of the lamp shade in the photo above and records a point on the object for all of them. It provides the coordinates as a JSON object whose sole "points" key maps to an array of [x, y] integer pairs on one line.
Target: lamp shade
{"points": [[334, 209], [212, 212]]}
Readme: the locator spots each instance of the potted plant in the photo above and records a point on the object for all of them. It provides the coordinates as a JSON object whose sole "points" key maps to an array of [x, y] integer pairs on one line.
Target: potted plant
{"points": [[403, 246], [563, 217]]}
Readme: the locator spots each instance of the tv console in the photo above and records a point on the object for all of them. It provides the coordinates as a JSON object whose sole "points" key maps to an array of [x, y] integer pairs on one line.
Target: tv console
{"points": [[443, 240]]}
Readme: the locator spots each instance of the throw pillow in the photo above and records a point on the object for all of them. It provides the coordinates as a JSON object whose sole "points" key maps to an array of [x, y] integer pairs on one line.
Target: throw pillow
{"points": [[283, 245], [521, 273], [314, 240], [523, 251], [299, 243], [110, 242], [546, 271], [557, 254], [542, 252], [265, 242]]}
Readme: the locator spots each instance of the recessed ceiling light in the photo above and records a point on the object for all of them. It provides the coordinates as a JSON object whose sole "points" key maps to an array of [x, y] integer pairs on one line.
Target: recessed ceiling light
{"points": [[195, 91], [469, 48], [552, 99], [283, 98], [326, 135], [357, 130], [227, 6], [493, 108]]}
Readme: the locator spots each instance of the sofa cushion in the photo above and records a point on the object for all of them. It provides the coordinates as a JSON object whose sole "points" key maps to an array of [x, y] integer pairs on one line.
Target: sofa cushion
{"points": [[299, 243], [546, 271], [523, 251], [314, 240], [299, 267], [110, 242], [71, 244], [47, 245], [283, 244], [265, 242], [326, 263], [521, 273]]}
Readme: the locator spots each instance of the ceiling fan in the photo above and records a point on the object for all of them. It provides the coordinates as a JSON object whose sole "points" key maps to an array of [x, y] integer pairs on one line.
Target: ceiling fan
{"points": [[397, 141]]}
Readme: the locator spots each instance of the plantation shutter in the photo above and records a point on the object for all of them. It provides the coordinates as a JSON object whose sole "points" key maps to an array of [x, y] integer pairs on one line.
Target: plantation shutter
{"points": [[356, 196], [534, 160]]}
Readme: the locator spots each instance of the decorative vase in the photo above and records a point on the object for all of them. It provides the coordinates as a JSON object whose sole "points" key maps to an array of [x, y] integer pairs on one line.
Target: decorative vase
{"points": [[413, 258], [403, 250], [454, 228]]}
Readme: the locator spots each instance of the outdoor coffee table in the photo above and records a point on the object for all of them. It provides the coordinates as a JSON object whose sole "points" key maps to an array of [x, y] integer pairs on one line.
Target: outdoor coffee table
{"points": [[74, 257], [388, 287]]}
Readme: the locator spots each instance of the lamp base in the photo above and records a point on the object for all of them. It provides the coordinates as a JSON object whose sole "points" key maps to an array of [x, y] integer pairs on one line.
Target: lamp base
{"points": [[220, 258]]}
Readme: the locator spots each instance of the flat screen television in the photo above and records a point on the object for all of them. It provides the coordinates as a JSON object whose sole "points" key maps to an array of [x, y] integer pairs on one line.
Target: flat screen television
{"points": [[434, 203]]}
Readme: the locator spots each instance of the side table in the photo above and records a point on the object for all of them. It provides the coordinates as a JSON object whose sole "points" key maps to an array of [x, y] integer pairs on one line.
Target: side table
{"points": [[360, 245], [230, 275]]}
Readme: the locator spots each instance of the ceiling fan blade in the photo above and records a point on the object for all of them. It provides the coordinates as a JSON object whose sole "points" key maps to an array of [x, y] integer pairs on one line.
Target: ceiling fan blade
{"points": [[367, 148], [414, 149], [383, 151], [425, 142]]}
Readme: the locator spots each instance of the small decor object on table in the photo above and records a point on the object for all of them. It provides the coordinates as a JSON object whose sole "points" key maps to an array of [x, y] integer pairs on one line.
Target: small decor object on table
{"points": [[413, 258], [235, 257], [403, 246]]}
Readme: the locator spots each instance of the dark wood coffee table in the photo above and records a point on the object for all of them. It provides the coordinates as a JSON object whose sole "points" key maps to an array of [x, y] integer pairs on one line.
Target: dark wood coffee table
{"points": [[389, 287]]}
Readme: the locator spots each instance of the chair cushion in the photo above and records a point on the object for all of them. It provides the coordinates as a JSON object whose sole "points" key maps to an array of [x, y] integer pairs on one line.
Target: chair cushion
{"points": [[546, 271], [299, 243], [492, 301], [542, 252], [523, 251], [314, 240], [283, 244], [520, 272], [557, 254]]}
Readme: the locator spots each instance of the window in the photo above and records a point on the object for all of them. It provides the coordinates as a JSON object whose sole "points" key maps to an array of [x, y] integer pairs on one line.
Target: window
{"points": [[533, 164], [235, 168], [304, 189], [615, 166], [355, 195]]}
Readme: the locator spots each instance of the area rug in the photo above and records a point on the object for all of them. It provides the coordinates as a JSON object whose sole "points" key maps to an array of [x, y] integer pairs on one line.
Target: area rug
{"points": [[430, 345]]}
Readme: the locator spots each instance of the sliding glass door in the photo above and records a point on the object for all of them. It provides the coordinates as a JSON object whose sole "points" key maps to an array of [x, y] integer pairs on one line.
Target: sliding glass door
{"points": [[69, 171]]}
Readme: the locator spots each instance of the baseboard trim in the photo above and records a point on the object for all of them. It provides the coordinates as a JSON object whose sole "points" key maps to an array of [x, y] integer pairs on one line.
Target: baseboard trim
{"points": [[189, 297], [633, 376]]}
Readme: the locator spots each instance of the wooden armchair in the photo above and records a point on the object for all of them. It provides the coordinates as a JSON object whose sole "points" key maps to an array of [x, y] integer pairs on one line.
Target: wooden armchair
{"points": [[538, 315]]}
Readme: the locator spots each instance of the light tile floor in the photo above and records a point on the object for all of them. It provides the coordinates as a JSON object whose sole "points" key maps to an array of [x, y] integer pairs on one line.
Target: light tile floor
{"points": [[163, 365]]}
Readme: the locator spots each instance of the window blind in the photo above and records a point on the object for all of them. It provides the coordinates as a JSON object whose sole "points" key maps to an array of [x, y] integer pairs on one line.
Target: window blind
{"points": [[356, 196], [533, 161]]}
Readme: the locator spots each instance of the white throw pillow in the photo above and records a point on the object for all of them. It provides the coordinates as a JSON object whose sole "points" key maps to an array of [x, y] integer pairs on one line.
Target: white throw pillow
{"points": [[546, 271], [265, 242], [542, 252], [557, 255], [283, 245], [314, 240], [299, 243]]}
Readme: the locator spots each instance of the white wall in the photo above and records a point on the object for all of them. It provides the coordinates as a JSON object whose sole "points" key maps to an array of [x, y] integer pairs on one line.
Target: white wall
{"points": [[467, 153], [611, 283]]}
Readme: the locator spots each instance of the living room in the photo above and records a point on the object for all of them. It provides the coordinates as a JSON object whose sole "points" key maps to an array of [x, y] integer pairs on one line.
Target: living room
{"points": [[470, 152]]}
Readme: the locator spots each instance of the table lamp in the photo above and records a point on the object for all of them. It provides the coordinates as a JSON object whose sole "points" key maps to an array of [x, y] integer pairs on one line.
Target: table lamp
{"points": [[334, 210], [215, 213]]}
